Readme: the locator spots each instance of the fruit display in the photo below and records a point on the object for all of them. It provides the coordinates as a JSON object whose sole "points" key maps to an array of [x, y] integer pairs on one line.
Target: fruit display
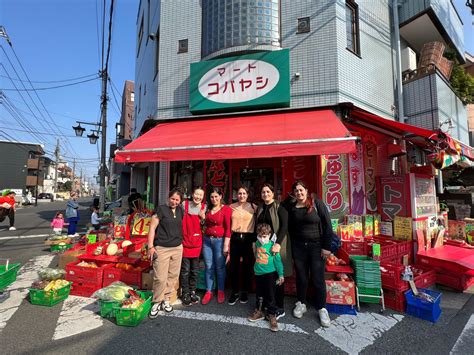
{"points": [[87, 264], [332, 260], [116, 291], [127, 267], [133, 301], [51, 274], [112, 249], [58, 239]]}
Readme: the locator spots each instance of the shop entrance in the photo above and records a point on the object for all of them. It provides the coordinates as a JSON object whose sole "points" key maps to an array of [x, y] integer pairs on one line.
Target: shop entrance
{"points": [[253, 173]]}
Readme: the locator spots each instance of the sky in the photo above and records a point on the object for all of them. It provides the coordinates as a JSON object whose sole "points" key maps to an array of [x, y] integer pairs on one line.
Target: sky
{"points": [[56, 40]]}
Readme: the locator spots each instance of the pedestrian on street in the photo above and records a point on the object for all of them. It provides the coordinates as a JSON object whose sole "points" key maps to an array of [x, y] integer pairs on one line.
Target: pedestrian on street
{"points": [[72, 214], [216, 245], [58, 223], [268, 270], [241, 241], [95, 219], [194, 214], [165, 249], [308, 222], [276, 216], [7, 208]]}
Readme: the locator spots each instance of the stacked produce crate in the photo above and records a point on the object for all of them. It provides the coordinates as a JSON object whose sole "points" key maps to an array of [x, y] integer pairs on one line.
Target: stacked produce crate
{"points": [[368, 280]]}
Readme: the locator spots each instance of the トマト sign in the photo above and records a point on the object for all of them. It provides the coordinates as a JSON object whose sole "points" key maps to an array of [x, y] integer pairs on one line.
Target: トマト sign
{"points": [[259, 80]]}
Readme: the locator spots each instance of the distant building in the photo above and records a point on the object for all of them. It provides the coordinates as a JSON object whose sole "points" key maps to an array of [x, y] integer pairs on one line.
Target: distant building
{"points": [[21, 166]]}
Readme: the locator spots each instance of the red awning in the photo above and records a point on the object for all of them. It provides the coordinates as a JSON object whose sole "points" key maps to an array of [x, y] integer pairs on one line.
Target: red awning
{"points": [[257, 136]]}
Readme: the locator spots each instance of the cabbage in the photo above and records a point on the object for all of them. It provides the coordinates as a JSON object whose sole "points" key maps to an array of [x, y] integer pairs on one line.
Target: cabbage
{"points": [[51, 274], [116, 291]]}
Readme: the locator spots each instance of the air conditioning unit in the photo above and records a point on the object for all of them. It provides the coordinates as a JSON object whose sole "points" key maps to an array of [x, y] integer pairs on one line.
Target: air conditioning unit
{"points": [[408, 59]]}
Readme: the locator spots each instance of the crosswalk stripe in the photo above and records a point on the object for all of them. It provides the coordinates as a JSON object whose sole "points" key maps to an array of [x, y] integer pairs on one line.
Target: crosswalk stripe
{"points": [[19, 289], [78, 315], [352, 334], [25, 236], [234, 320], [464, 344]]}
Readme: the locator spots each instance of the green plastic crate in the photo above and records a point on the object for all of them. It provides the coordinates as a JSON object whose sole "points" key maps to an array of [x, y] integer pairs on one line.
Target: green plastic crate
{"points": [[107, 308], [131, 317], [369, 291], [49, 298], [61, 248], [8, 276]]}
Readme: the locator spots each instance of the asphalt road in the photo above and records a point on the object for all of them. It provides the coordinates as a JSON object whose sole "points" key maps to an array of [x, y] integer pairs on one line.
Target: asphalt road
{"points": [[74, 327]]}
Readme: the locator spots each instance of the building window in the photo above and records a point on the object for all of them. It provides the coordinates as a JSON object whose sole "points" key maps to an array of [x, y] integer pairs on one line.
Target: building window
{"points": [[140, 36], [352, 27], [183, 45], [303, 25], [132, 96]]}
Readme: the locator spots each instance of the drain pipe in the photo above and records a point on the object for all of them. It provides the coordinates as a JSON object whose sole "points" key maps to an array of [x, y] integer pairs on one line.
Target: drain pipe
{"points": [[398, 64]]}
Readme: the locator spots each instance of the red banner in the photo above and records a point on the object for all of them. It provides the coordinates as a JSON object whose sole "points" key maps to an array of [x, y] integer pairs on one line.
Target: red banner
{"points": [[370, 164], [335, 192], [392, 197]]}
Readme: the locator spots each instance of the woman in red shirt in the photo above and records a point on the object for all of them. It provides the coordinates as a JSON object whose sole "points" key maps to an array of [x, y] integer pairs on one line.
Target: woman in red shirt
{"points": [[216, 244]]}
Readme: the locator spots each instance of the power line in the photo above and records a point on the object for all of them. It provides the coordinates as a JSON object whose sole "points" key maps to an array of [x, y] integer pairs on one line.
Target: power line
{"points": [[54, 81], [42, 133], [52, 87]]}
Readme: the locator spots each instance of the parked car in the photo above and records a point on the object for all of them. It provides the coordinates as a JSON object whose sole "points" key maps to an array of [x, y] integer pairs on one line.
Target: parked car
{"points": [[45, 196]]}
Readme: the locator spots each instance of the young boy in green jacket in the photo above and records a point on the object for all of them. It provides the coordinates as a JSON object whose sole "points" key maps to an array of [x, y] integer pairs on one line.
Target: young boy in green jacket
{"points": [[268, 270]]}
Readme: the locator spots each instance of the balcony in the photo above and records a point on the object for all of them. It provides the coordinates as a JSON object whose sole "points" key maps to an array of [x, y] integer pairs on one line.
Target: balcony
{"points": [[430, 102], [423, 21], [33, 164], [32, 180]]}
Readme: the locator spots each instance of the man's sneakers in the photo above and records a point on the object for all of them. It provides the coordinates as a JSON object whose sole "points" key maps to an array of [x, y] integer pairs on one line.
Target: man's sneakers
{"points": [[273, 323], [194, 298], [324, 317], [12, 228], [159, 308], [244, 297], [186, 299], [299, 310], [233, 299], [280, 313]]}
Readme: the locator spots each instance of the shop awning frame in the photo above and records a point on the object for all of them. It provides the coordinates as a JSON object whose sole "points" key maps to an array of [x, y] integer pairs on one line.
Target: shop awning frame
{"points": [[262, 135]]}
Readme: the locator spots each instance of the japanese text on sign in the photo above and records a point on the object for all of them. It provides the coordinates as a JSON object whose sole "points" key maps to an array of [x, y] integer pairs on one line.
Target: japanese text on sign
{"points": [[335, 194]]}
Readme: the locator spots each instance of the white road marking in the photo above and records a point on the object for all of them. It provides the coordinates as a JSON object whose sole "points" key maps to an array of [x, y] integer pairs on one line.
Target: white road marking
{"points": [[25, 236], [234, 320], [19, 289], [352, 334], [465, 342], [78, 315]]}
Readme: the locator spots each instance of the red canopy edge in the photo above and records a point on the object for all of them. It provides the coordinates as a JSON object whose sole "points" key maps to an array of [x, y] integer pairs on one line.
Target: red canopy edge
{"points": [[259, 136]]}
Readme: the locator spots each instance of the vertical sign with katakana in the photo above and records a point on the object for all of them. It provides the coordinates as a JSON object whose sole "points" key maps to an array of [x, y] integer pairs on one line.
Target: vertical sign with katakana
{"points": [[218, 176]]}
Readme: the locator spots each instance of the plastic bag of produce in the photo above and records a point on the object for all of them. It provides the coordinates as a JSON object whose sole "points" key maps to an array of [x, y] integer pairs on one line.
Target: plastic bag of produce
{"points": [[51, 274], [116, 291]]}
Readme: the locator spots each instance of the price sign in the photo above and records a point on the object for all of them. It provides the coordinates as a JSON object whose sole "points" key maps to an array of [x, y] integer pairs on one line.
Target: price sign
{"points": [[120, 223], [141, 225], [403, 229]]}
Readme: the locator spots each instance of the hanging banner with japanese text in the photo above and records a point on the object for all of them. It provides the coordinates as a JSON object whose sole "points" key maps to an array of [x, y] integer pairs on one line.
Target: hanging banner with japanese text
{"points": [[370, 166], [335, 192], [217, 176], [392, 197], [260, 80], [357, 181]]}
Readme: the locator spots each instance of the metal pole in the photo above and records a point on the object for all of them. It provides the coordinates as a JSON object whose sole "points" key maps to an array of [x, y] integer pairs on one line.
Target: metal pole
{"points": [[56, 153], [102, 170], [396, 33], [37, 178]]}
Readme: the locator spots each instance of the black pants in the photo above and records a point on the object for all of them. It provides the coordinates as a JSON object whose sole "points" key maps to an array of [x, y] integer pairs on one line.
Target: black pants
{"points": [[7, 212], [189, 274], [308, 261], [241, 273], [265, 291]]}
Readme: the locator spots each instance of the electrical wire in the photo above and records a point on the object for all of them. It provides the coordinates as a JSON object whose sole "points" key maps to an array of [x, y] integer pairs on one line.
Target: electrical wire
{"points": [[52, 87], [54, 81]]}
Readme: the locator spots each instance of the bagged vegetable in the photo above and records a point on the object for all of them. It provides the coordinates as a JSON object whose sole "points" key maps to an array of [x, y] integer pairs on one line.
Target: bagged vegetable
{"points": [[51, 274], [116, 291]]}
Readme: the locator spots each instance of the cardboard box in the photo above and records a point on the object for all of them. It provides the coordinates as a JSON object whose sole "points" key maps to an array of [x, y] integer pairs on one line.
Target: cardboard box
{"points": [[345, 232], [69, 257], [340, 292], [358, 233], [352, 218], [147, 284]]}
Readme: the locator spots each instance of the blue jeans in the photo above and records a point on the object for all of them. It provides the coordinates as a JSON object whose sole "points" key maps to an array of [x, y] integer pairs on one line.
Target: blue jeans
{"points": [[214, 259], [71, 229]]}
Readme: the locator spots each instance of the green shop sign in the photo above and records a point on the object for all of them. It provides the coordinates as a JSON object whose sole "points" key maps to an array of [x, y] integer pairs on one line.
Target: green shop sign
{"points": [[259, 80]]}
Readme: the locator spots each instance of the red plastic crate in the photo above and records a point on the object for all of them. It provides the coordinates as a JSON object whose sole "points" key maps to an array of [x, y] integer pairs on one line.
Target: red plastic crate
{"points": [[388, 247], [83, 288], [81, 273], [395, 300], [457, 282], [355, 248], [130, 277], [405, 247], [390, 274]]}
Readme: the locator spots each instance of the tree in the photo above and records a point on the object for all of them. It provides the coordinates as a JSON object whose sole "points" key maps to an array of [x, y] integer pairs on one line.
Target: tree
{"points": [[68, 185], [461, 82]]}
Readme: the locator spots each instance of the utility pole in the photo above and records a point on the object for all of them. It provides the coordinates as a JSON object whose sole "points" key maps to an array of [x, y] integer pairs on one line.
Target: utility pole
{"points": [[74, 174], [102, 169], [56, 154], [80, 184]]}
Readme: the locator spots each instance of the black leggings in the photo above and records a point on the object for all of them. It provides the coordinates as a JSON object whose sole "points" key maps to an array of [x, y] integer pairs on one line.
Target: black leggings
{"points": [[7, 212], [241, 273], [265, 292], [308, 261], [189, 274]]}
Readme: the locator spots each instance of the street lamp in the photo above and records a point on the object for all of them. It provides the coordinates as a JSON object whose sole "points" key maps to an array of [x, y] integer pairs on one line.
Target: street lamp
{"points": [[93, 137], [78, 130]]}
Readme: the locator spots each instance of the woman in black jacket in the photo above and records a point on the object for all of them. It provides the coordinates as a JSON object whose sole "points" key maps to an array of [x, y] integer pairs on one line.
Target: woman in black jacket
{"points": [[308, 223]]}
